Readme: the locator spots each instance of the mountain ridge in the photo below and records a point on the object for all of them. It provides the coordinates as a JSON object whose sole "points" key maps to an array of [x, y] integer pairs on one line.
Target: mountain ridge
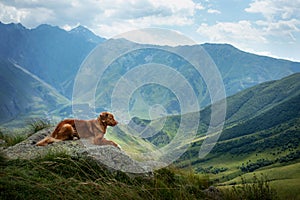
{"points": [[55, 55]]}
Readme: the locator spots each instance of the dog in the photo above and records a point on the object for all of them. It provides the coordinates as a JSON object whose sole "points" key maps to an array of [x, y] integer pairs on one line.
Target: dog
{"points": [[71, 129]]}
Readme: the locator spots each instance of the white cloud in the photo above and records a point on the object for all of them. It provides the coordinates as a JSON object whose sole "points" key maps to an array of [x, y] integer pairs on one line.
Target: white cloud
{"points": [[199, 6], [275, 9], [230, 32], [9, 13], [281, 27], [281, 18], [213, 11], [119, 15]]}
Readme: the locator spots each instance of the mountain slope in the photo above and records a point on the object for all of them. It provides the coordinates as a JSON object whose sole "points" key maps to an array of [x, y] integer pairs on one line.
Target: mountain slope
{"points": [[24, 94], [258, 99], [49, 52], [261, 130], [239, 70]]}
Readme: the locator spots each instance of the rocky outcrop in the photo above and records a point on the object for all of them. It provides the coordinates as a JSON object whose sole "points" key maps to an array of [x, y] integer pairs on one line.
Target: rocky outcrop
{"points": [[109, 156]]}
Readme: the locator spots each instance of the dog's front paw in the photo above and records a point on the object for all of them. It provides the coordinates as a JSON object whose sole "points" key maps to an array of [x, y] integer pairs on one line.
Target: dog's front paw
{"points": [[75, 138], [119, 147]]}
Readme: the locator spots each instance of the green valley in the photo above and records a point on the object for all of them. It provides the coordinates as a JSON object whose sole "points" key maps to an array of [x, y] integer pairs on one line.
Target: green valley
{"points": [[261, 135]]}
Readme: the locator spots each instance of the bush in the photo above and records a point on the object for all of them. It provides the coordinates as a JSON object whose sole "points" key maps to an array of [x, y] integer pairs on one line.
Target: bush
{"points": [[250, 167]]}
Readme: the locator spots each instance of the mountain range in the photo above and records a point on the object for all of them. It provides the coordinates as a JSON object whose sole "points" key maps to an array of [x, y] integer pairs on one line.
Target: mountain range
{"points": [[54, 56]]}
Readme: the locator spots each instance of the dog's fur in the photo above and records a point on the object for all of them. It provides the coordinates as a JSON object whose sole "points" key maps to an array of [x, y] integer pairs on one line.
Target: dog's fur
{"points": [[70, 129]]}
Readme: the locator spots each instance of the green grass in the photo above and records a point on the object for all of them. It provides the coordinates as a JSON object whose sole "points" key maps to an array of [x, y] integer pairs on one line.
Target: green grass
{"points": [[284, 178], [257, 188], [60, 176], [11, 139], [38, 124], [17, 135]]}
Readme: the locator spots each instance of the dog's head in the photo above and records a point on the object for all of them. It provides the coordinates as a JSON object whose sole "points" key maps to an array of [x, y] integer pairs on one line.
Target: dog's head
{"points": [[108, 119]]}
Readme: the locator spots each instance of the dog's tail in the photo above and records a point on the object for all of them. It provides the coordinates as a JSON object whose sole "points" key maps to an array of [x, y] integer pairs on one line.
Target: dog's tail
{"points": [[47, 140]]}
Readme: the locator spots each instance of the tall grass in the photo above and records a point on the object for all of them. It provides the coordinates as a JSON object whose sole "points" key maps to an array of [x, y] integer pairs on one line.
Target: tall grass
{"points": [[38, 124], [57, 175], [11, 138], [60, 176], [257, 188]]}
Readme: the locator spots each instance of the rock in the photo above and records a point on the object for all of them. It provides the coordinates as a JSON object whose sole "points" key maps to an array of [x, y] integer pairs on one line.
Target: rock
{"points": [[110, 156]]}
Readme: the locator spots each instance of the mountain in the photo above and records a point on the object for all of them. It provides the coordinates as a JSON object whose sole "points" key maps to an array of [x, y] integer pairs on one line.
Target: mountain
{"points": [[239, 70], [51, 53], [55, 55], [261, 132], [23, 95], [83, 33]]}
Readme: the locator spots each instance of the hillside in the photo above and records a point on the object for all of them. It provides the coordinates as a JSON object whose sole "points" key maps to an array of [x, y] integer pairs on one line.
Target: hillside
{"points": [[239, 70], [261, 133], [23, 95]]}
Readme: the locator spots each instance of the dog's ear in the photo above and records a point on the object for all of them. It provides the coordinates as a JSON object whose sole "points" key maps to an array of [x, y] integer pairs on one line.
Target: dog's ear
{"points": [[103, 116]]}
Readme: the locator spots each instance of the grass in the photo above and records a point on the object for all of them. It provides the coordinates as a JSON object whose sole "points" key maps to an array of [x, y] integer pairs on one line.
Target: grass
{"points": [[259, 188], [60, 176], [283, 178], [11, 138], [38, 124]]}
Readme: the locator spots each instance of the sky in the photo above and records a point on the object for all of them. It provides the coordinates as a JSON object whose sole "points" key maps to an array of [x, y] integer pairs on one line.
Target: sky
{"points": [[264, 27]]}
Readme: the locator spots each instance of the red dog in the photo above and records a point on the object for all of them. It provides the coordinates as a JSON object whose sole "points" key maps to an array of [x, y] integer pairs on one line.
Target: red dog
{"points": [[70, 129]]}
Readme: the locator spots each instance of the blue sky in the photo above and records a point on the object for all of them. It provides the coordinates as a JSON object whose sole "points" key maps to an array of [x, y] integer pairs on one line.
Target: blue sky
{"points": [[265, 27]]}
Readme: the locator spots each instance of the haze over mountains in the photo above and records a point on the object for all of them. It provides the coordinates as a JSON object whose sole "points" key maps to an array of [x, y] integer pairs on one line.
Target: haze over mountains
{"points": [[51, 58]]}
